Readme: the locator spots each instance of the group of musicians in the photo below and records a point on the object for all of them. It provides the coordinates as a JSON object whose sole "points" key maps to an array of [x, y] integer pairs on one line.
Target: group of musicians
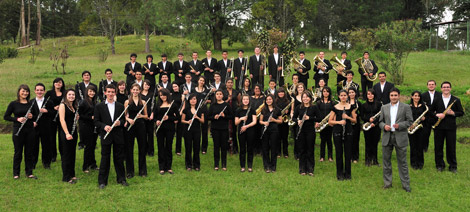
{"points": [[228, 97]]}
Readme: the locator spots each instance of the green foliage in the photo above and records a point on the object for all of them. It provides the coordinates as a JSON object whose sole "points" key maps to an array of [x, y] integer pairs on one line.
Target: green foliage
{"points": [[289, 50], [102, 54], [7, 52], [361, 39], [34, 54]]}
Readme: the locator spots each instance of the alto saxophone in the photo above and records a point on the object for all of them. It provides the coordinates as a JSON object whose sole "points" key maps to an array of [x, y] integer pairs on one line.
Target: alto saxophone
{"points": [[366, 126], [416, 124], [323, 123]]}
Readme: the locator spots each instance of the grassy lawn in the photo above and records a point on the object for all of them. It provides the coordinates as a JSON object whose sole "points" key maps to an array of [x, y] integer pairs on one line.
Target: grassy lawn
{"points": [[209, 190]]}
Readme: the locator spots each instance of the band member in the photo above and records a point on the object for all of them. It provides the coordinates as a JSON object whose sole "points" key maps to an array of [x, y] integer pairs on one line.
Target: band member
{"points": [[138, 80], [340, 77], [317, 92], [322, 69], [271, 88], [372, 136], [217, 83], [122, 94], [165, 68], [270, 118], [88, 133], [210, 66], [281, 102], [41, 127], [275, 66], [23, 115], [146, 94], [150, 70], [325, 106], [349, 83], [192, 135], [130, 68], [341, 118], [306, 115], [108, 120], [55, 94], [201, 92], [136, 114], [239, 71], [300, 88], [180, 68], [370, 65], [246, 87], [225, 67], [394, 120], [188, 86], [291, 88], [195, 67], [165, 83], [109, 80], [356, 126], [447, 108], [220, 113], [245, 118], [256, 68], [428, 98], [303, 72], [166, 115], [257, 99], [416, 139], [233, 98], [382, 89], [179, 103], [68, 117], [86, 77]]}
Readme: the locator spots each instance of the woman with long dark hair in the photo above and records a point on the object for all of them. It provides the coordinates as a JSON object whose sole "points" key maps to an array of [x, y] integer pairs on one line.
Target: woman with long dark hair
{"points": [[245, 118], [220, 113], [179, 103], [147, 94], [55, 94], [356, 105], [257, 99], [416, 139], [137, 131], [281, 102], [192, 135], [270, 118], [341, 118], [299, 89], [372, 136], [68, 135], [246, 87], [121, 93], [202, 90], [22, 112], [87, 129], [325, 106]]}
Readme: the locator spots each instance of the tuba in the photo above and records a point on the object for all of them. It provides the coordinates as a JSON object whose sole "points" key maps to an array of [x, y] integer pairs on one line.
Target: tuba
{"points": [[367, 67], [338, 66], [321, 63], [416, 124], [297, 65], [323, 123]]}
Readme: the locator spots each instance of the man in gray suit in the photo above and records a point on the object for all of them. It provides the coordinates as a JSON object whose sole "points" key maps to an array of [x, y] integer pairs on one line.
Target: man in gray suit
{"points": [[394, 120]]}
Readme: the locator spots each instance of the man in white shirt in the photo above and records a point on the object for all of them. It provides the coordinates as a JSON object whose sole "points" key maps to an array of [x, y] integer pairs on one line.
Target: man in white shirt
{"points": [[109, 80], [41, 125], [80, 88], [138, 78], [429, 97], [382, 89], [275, 67]]}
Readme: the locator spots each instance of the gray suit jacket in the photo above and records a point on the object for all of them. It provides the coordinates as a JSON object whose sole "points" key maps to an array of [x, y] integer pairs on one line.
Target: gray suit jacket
{"points": [[404, 120]]}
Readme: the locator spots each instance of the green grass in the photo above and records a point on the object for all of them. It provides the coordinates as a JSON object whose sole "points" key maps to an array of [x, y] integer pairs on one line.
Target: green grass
{"points": [[209, 190]]}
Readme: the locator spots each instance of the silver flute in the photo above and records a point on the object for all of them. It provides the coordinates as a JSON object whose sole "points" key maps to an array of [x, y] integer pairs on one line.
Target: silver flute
{"points": [[166, 113], [140, 111], [114, 123], [266, 126], [195, 114], [26, 117]]}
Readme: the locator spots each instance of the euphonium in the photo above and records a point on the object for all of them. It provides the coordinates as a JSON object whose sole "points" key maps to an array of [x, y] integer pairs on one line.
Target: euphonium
{"points": [[297, 65], [337, 64], [258, 111], [323, 123], [321, 63], [416, 124], [366, 126], [367, 68]]}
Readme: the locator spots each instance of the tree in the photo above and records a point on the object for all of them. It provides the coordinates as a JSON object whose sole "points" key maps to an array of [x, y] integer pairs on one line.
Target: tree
{"points": [[146, 19], [29, 22], [39, 23], [22, 25]]}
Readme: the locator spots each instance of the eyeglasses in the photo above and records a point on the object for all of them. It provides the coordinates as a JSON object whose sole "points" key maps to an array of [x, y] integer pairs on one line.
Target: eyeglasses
{"points": [[445, 87]]}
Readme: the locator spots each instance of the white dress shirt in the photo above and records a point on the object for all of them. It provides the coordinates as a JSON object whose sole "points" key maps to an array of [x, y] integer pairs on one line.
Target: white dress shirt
{"points": [[276, 57], [446, 100], [111, 107], [39, 102], [393, 115], [431, 95]]}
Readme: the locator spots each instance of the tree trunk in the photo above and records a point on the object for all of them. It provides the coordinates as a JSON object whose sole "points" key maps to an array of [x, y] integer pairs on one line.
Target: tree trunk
{"points": [[23, 25], [38, 32], [111, 39], [147, 41], [29, 22]]}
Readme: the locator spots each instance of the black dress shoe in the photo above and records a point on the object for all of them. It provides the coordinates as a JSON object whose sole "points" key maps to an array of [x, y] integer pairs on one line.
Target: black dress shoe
{"points": [[440, 169], [407, 189], [80, 147], [102, 186], [453, 170], [129, 176], [387, 186], [124, 183]]}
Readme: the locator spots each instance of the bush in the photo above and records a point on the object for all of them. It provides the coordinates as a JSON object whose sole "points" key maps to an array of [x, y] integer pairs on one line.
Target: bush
{"points": [[102, 54], [7, 52]]}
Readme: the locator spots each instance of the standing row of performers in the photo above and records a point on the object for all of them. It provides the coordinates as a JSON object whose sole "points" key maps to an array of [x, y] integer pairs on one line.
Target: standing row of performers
{"points": [[246, 120]]}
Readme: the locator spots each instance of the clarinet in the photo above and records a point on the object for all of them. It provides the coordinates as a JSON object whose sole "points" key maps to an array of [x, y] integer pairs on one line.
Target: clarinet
{"points": [[75, 119], [140, 111], [247, 113], [26, 117], [161, 121], [114, 123], [300, 127], [80, 91], [57, 114], [153, 99], [344, 125], [43, 106], [192, 119], [266, 126], [104, 88]]}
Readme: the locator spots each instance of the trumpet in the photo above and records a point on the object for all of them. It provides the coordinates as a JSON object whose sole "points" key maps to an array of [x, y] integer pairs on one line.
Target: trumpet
{"points": [[367, 67], [323, 123], [298, 65], [416, 124], [366, 126], [445, 111], [259, 109], [321, 63], [338, 66]]}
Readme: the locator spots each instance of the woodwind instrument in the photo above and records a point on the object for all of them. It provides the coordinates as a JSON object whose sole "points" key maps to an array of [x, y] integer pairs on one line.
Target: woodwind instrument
{"points": [[247, 113], [323, 123], [445, 111], [80, 90], [103, 88], [166, 113], [366, 126], [195, 114], [285, 117], [140, 111], [75, 120], [301, 123], [344, 125], [416, 124], [26, 117], [114, 123], [266, 126], [43, 106]]}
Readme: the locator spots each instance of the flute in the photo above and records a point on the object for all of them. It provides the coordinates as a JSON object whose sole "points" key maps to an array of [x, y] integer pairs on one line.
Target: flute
{"points": [[195, 114], [43, 106], [26, 117], [247, 113], [161, 121], [114, 123], [140, 111], [300, 127], [266, 126]]}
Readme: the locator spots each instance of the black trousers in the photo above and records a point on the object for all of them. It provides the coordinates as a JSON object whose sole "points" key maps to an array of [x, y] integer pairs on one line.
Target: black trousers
{"points": [[257, 80], [165, 145], [118, 160], [246, 140], [280, 81], [416, 149], [270, 147], [355, 141], [136, 132], [68, 156], [450, 137], [205, 136], [365, 85], [88, 137], [233, 136], [427, 128], [149, 129], [343, 155], [257, 140], [295, 130], [192, 145], [372, 138], [303, 79], [325, 136], [307, 151], [284, 142], [180, 130], [220, 138], [54, 128], [23, 143], [42, 137]]}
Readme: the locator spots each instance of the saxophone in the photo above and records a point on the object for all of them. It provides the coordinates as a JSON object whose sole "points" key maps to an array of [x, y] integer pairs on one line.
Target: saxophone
{"points": [[416, 124], [258, 111], [285, 117], [445, 111], [366, 126], [323, 123]]}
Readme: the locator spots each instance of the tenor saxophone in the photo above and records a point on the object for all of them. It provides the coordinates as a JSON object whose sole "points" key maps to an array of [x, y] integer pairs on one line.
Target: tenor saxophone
{"points": [[416, 124]]}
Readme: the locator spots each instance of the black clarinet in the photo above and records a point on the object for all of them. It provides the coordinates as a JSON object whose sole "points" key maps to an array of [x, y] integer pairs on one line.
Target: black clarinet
{"points": [[75, 119], [80, 90], [303, 120], [26, 117], [103, 87]]}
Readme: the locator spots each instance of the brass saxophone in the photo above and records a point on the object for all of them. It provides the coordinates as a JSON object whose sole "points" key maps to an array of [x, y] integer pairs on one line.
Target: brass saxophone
{"points": [[258, 111], [366, 126], [323, 123], [416, 124], [445, 111], [285, 117]]}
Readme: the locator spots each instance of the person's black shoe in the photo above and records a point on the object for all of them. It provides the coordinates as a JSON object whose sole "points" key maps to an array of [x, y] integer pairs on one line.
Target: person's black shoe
{"points": [[440, 169], [129, 176], [124, 183], [387, 186], [407, 189], [80, 147], [453, 171], [102, 186]]}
